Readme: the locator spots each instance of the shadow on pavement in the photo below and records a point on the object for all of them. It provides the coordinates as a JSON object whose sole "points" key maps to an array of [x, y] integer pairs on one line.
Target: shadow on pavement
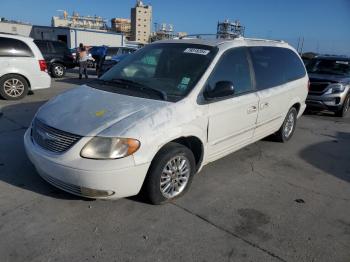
{"points": [[15, 167], [331, 157]]}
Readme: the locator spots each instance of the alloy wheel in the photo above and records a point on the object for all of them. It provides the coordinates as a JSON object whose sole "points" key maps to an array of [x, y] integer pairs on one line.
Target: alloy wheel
{"points": [[289, 125], [13, 87], [175, 176]]}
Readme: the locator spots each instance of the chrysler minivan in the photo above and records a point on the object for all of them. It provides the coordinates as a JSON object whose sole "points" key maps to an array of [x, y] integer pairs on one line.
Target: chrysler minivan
{"points": [[156, 118]]}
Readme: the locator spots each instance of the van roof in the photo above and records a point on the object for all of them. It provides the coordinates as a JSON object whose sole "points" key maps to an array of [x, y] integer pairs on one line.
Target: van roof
{"points": [[15, 36], [219, 41]]}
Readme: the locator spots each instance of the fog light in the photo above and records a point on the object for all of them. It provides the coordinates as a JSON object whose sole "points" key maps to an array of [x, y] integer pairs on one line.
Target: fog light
{"points": [[88, 192]]}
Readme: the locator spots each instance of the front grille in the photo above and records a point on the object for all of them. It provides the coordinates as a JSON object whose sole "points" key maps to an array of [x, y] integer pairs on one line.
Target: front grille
{"points": [[52, 139], [318, 88]]}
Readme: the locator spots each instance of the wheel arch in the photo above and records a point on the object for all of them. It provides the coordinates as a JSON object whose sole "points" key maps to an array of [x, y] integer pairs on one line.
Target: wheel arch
{"points": [[18, 74]]}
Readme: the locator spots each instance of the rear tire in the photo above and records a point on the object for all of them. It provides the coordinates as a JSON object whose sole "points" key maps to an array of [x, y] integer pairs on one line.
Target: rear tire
{"points": [[345, 108], [170, 174], [57, 70], [288, 127], [13, 87]]}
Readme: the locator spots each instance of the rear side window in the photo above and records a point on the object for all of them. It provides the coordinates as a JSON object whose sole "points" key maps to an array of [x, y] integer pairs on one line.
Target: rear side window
{"points": [[60, 47], [275, 66], [111, 51], [14, 48], [233, 66], [44, 46]]}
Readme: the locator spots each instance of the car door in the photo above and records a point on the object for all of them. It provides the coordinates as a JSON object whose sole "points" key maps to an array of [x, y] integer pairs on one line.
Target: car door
{"points": [[272, 73], [232, 120]]}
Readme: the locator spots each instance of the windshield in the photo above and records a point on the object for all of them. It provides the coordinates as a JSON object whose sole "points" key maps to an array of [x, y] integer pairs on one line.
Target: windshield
{"points": [[328, 66], [170, 69]]}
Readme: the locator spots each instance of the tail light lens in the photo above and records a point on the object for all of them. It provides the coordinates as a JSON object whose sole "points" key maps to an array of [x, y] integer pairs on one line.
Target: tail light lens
{"points": [[43, 65]]}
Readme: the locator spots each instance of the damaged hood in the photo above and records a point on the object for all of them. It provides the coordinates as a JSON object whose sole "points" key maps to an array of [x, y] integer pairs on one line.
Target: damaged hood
{"points": [[87, 111]]}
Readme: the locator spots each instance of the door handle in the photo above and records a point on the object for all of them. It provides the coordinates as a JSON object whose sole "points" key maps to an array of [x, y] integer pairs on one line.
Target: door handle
{"points": [[264, 105], [252, 109]]}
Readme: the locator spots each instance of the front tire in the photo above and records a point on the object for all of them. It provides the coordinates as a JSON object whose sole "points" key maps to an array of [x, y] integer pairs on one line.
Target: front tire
{"points": [[170, 174], [13, 87], [345, 108], [287, 129], [58, 70]]}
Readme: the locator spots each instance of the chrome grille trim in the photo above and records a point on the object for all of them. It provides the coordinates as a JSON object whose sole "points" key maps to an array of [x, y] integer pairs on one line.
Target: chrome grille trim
{"points": [[52, 139]]}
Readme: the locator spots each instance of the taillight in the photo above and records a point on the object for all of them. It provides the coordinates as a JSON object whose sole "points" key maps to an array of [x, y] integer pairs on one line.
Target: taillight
{"points": [[43, 65]]}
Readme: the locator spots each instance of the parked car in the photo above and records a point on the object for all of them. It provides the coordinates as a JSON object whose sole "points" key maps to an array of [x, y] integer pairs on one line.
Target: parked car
{"points": [[103, 53], [329, 84], [157, 117], [109, 63], [90, 62], [57, 56], [22, 67]]}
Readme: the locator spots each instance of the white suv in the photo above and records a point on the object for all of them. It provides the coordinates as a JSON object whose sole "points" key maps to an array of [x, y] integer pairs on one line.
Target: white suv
{"points": [[157, 117], [22, 67]]}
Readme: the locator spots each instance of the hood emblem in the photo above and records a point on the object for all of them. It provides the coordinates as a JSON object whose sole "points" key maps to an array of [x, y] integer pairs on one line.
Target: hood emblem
{"points": [[47, 137]]}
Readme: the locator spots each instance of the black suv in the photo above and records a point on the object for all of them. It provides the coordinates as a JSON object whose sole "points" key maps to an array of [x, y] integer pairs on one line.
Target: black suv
{"points": [[329, 84], [57, 56]]}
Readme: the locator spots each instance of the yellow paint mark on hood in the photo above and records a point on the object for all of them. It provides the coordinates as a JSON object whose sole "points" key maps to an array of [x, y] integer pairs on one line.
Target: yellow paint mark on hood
{"points": [[100, 113]]}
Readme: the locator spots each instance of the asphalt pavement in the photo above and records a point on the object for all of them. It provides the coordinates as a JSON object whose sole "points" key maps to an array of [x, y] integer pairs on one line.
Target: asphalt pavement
{"points": [[266, 202]]}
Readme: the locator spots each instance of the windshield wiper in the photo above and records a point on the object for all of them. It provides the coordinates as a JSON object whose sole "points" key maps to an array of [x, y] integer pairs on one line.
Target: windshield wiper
{"points": [[131, 83]]}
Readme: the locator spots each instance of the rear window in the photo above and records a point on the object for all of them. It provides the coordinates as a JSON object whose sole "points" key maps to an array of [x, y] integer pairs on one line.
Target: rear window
{"points": [[112, 51], [10, 47], [275, 66]]}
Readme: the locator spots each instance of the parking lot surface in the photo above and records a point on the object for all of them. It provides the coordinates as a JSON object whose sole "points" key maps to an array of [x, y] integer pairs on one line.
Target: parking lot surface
{"points": [[266, 202]]}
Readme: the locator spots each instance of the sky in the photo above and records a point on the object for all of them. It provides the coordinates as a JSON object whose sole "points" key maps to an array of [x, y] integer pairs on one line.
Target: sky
{"points": [[324, 24]]}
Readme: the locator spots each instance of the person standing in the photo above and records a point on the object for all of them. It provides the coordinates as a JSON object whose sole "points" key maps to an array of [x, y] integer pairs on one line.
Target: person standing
{"points": [[82, 59]]}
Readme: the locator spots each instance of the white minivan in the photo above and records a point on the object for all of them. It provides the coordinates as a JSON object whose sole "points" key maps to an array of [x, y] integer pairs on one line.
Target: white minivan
{"points": [[22, 67], [157, 117]]}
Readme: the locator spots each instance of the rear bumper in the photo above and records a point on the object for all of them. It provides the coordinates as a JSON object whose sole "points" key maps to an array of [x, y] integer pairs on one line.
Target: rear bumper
{"points": [[40, 81]]}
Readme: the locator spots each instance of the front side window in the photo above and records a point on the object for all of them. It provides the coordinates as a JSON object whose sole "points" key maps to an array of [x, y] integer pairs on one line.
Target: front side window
{"points": [[10, 47], [329, 66], [233, 66], [170, 69], [274, 66]]}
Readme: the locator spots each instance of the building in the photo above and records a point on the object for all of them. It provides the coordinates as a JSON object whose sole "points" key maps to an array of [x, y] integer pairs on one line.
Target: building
{"points": [[15, 27], [74, 36], [165, 31], [141, 20], [228, 29], [77, 21], [122, 25]]}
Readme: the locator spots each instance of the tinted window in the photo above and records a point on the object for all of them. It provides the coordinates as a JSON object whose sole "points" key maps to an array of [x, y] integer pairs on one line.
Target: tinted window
{"points": [[329, 66], [275, 66], [44, 46], [234, 67], [111, 51], [60, 47], [14, 47]]}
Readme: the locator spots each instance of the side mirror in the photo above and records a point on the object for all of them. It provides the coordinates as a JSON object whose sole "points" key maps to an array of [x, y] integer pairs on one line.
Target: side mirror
{"points": [[222, 89]]}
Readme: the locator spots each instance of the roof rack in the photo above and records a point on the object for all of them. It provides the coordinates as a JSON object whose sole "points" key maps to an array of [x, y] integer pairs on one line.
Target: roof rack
{"points": [[217, 36], [265, 40]]}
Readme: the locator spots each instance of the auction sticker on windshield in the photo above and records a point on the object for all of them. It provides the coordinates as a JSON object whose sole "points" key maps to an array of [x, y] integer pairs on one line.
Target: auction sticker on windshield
{"points": [[197, 51]]}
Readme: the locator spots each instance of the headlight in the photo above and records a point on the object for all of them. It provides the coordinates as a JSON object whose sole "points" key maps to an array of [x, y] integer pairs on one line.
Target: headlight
{"points": [[109, 148], [335, 89]]}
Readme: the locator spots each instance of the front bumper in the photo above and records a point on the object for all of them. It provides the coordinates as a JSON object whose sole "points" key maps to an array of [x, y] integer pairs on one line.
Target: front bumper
{"points": [[98, 182], [332, 102]]}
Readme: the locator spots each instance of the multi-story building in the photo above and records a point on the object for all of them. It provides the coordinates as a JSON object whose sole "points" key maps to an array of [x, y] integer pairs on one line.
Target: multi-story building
{"points": [[81, 22], [141, 20], [122, 25]]}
